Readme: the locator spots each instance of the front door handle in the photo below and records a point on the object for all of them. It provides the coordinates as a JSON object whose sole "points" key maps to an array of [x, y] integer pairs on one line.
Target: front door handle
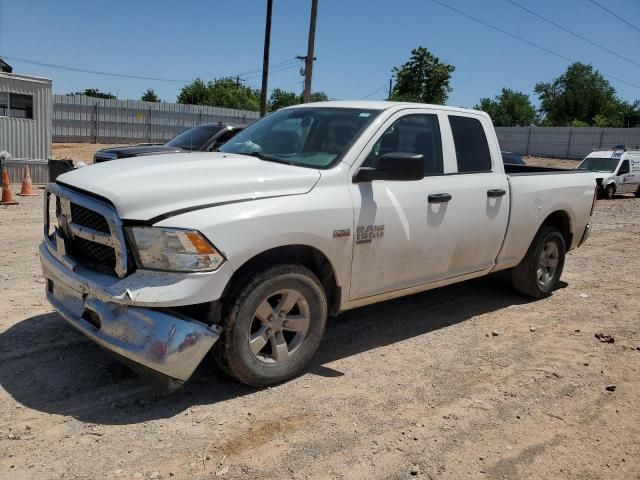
{"points": [[439, 198], [496, 192]]}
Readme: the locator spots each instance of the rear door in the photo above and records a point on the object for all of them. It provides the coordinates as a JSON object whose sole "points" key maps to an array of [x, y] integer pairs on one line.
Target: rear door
{"points": [[479, 208]]}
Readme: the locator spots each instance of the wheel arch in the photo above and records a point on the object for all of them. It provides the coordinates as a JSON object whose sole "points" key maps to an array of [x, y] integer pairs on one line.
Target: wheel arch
{"points": [[561, 220], [305, 255]]}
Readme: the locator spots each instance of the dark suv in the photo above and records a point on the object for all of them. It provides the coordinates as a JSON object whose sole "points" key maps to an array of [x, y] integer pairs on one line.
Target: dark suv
{"points": [[203, 138]]}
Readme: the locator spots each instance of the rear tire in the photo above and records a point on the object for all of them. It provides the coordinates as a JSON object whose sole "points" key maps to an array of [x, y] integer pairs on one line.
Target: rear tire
{"points": [[273, 325], [540, 269], [609, 192]]}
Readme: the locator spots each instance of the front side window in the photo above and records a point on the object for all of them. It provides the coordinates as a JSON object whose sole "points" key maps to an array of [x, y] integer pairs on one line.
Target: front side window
{"points": [[472, 149], [624, 167], [415, 133], [313, 137]]}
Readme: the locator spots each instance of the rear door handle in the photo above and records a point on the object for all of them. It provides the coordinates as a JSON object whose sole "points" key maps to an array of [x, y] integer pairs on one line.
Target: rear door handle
{"points": [[439, 198], [496, 192]]}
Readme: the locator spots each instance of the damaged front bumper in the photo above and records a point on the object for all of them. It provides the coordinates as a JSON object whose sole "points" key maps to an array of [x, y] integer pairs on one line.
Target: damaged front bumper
{"points": [[159, 340]]}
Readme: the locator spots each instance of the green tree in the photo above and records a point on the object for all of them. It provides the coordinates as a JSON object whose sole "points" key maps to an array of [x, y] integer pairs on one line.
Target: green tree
{"points": [[281, 98], [422, 79], [224, 92], [150, 96], [318, 97], [93, 92], [509, 109], [630, 114], [577, 97]]}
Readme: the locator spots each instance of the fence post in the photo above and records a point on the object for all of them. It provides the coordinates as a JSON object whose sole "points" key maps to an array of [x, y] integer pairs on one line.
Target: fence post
{"points": [[601, 136], [569, 142], [96, 124], [150, 132], [528, 142]]}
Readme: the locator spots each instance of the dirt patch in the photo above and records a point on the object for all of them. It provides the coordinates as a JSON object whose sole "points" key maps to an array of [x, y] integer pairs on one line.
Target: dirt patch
{"points": [[416, 383], [79, 151], [551, 162]]}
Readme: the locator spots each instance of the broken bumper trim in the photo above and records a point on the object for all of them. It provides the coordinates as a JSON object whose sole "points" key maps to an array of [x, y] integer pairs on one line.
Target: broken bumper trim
{"points": [[157, 340], [585, 235]]}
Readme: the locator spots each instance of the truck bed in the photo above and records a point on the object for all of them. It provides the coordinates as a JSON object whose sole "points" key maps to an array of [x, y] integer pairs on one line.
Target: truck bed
{"points": [[513, 169], [535, 193]]}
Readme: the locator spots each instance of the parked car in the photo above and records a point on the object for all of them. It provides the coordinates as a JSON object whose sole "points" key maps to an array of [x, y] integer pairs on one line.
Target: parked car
{"points": [[311, 211], [202, 138], [512, 158], [615, 171]]}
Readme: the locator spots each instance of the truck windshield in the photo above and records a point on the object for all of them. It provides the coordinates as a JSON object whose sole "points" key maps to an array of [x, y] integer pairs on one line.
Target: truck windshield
{"points": [[313, 137], [195, 138], [595, 164]]}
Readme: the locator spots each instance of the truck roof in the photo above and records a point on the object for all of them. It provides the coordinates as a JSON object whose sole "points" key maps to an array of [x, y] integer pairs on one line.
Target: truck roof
{"points": [[613, 154], [383, 105]]}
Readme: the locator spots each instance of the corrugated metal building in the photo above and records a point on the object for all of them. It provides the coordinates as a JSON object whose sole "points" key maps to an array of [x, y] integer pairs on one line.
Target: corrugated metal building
{"points": [[25, 116]]}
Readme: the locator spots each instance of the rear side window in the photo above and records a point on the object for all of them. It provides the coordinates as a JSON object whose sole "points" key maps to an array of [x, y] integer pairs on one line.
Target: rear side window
{"points": [[472, 149]]}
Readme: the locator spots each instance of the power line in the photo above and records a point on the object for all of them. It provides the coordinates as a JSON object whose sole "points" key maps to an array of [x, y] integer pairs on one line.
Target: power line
{"points": [[535, 45], [617, 16], [134, 77], [572, 33], [94, 72], [276, 69], [374, 92]]}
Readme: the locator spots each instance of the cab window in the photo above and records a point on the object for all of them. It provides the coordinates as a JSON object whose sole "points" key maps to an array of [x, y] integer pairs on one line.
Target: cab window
{"points": [[472, 149], [415, 133]]}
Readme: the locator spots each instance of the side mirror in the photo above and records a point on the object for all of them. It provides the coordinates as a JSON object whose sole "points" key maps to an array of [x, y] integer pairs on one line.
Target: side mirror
{"points": [[623, 170], [393, 166]]}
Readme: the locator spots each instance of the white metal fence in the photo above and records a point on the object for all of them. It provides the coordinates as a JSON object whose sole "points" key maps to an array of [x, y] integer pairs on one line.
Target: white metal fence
{"points": [[564, 142], [95, 120]]}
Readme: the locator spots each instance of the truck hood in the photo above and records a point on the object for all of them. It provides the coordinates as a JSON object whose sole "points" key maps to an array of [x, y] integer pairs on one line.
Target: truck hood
{"points": [[148, 187]]}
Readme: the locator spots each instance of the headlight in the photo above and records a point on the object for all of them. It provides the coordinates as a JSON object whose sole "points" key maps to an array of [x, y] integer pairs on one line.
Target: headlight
{"points": [[158, 248]]}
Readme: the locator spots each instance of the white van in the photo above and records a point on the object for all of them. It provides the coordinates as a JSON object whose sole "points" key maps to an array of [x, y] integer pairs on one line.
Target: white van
{"points": [[615, 171]]}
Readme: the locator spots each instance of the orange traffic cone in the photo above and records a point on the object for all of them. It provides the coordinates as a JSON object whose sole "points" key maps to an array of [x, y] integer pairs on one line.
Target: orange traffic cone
{"points": [[7, 197], [27, 188]]}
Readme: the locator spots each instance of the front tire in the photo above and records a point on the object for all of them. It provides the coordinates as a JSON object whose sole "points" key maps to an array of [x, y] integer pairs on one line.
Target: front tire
{"points": [[637, 194], [273, 325], [539, 271], [609, 192]]}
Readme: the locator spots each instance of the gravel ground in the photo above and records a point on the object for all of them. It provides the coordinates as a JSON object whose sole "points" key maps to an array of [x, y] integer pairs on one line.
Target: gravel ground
{"points": [[466, 381]]}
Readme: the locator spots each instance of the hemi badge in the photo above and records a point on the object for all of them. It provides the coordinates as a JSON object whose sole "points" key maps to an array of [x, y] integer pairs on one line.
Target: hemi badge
{"points": [[345, 232]]}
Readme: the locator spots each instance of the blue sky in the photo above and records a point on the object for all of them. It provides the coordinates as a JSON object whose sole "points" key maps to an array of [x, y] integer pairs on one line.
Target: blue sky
{"points": [[358, 42]]}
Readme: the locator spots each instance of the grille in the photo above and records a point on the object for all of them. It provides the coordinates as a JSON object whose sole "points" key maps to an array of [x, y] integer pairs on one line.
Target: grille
{"points": [[94, 255], [88, 218]]}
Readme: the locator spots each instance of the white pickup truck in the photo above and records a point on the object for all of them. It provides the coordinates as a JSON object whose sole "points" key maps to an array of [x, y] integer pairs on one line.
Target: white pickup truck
{"points": [[312, 210]]}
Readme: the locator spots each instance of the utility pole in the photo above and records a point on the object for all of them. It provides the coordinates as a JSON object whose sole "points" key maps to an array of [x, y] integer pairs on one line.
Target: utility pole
{"points": [[308, 63], [265, 60], [390, 88]]}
